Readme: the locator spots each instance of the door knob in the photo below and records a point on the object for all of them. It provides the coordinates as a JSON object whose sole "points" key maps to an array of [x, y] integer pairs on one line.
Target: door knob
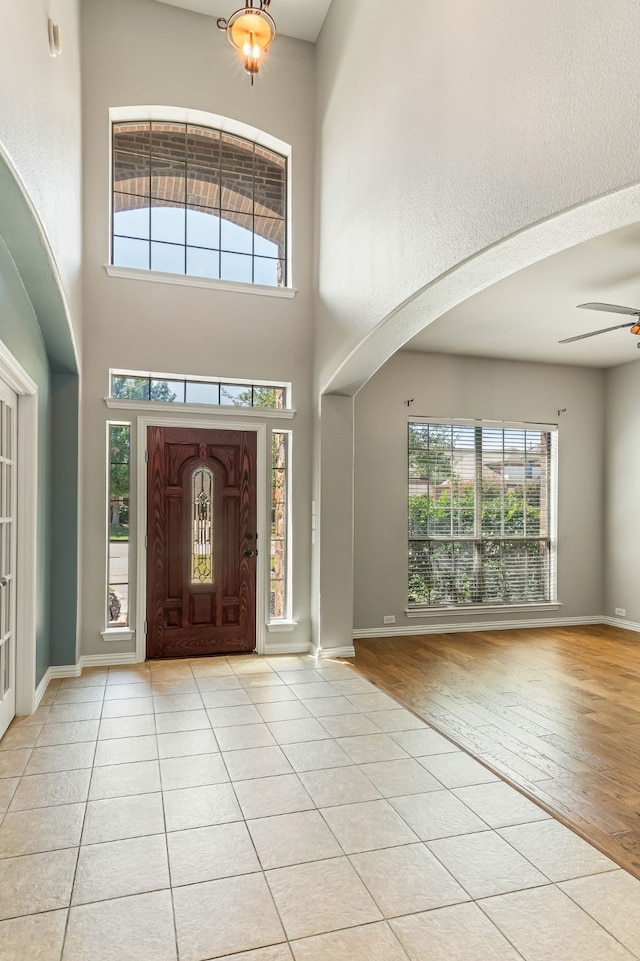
{"points": [[3, 581], [250, 553]]}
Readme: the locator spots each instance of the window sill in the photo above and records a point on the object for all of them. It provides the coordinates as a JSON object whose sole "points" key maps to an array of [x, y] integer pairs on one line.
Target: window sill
{"points": [[116, 403], [281, 627], [479, 609], [117, 634], [184, 280]]}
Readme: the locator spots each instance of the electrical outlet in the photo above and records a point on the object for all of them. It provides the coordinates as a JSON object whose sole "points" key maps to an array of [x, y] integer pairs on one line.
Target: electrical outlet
{"points": [[389, 619], [621, 612]]}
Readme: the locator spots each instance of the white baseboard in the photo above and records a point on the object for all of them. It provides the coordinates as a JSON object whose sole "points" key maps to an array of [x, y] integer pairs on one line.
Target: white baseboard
{"points": [[328, 652], [75, 670], [484, 626], [41, 688], [284, 646], [107, 660], [295, 647], [620, 622]]}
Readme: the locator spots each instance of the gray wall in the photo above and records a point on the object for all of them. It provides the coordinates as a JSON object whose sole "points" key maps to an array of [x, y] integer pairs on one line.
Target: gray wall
{"points": [[457, 125], [20, 332], [41, 129], [40, 298], [64, 518], [131, 57], [447, 386], [622, 456]]}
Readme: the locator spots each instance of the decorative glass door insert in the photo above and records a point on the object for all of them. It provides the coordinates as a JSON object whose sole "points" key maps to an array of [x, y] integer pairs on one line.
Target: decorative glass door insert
{"points": [[202, 523]]}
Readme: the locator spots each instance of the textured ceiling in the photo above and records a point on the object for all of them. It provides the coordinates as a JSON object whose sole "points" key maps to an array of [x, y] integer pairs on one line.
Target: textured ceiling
{"points": [[524, 316], [294, 18]]}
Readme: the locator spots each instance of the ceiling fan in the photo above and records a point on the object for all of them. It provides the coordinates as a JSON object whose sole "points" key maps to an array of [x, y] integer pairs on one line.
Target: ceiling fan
{"points": [[612, 309]]}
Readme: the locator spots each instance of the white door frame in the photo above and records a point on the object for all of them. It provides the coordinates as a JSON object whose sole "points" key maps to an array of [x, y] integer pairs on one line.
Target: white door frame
{"points": [[209, 423], [14, 374]]}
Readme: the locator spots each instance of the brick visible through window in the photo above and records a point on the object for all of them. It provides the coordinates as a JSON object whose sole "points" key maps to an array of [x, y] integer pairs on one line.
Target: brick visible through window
{"points": [[198, 201]]}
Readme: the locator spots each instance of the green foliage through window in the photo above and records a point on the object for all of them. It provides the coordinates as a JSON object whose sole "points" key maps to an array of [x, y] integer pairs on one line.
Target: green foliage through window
{"points": [[479, 515], [119, 439], [191, 390]]}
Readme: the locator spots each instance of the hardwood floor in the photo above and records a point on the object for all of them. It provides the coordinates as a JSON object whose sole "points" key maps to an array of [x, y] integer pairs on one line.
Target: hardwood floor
{"points": [[556, 712]]}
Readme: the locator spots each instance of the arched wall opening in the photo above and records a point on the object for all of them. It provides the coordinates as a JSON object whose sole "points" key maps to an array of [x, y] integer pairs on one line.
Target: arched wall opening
{"points": [[35, 329], [336, 478], [538, 241]]}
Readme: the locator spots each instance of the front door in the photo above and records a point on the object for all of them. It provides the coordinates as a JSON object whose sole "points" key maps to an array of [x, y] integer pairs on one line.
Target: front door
{"points": [[8, 410], [201, 541]]}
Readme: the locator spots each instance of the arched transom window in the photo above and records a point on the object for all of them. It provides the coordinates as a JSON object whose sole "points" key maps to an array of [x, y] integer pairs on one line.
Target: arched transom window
{"points": [[192, 200]]}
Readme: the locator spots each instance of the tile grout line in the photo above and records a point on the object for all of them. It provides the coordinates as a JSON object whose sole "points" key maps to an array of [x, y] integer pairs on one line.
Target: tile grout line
{"points": [[296, 773]]}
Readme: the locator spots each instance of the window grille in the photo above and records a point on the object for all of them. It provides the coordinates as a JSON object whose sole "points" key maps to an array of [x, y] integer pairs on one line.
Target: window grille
{"points": [[173, 389], [193, 200], [480, 514]]}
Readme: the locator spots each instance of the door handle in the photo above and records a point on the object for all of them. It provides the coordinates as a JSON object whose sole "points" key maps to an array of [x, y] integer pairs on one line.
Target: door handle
{"points": [[250, 553], [3, 581]]}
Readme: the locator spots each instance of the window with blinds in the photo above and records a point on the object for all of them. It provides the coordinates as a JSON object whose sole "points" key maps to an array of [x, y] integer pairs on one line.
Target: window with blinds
{"points": [[480, 514]]}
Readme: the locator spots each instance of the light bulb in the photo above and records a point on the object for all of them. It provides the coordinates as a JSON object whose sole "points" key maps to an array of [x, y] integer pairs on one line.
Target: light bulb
{"points": [[256, 51]]}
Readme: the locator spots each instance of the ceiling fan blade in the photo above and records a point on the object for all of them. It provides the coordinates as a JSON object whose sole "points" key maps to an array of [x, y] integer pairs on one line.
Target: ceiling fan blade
{"points": [[612, 309], [593, 333]]}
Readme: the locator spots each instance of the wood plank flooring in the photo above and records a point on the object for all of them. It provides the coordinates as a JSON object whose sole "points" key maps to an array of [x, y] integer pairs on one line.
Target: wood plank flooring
{"points": [[556, 712]]}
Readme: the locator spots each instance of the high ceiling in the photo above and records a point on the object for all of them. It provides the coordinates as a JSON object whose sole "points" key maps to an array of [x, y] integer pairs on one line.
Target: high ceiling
{"points": [[295, 18], [524, 316]]}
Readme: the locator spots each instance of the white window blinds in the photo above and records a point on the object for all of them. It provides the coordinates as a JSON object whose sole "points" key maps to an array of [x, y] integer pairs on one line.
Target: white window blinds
{"points": [[480, 514]]}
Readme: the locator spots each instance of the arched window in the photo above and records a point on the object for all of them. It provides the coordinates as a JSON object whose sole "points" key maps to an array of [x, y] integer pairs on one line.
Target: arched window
{"points": [[190, 199]]}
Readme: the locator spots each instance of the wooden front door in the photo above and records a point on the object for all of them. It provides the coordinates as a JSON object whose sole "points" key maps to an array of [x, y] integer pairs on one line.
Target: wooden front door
{"points": [[201, 541]]}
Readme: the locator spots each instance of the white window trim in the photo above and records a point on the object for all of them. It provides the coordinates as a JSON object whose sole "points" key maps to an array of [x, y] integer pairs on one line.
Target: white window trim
{"points": [[209, 410], [118, 633], [191, 280], [424, 611], [262, 506], [203, 118]]}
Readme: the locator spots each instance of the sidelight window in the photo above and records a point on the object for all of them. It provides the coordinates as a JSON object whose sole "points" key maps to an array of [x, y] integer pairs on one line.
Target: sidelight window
{"points": [[119, 448], [280, 591]]}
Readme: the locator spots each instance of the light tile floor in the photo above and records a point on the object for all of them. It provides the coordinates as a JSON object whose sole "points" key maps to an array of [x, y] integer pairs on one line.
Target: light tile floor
{"points": [[279, 809]]}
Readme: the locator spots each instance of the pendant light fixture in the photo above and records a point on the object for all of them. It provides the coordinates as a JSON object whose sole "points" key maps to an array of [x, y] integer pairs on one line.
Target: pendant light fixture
{"points": [[251, 30]]}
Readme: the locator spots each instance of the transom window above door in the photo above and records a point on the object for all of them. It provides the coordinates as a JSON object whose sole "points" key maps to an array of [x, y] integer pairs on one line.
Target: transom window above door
{"points": [[198, 201]]}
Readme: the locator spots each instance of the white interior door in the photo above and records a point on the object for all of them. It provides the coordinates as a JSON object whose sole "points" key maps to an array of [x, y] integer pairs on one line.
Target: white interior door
{"points": [[8, 447]]}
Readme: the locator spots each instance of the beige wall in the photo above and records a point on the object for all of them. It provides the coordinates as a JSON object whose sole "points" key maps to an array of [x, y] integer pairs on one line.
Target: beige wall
{"points": [[131, 57], [447, 386]]}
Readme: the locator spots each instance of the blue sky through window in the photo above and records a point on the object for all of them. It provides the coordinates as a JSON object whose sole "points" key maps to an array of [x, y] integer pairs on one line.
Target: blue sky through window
{"points": [[187, 240]]}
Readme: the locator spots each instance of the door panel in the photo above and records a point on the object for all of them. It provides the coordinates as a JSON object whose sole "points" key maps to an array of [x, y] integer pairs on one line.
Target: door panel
{"points": [[201, 541], [8, 426]]}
